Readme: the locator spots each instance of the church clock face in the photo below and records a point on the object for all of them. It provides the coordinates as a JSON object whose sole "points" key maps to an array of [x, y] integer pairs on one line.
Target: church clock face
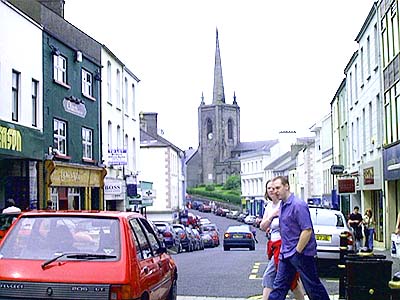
{"points": [[210, 136]]}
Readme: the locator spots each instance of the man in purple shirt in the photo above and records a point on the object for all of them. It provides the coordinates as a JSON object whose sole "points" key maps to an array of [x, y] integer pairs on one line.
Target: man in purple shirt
{"points": [[298, 249]]}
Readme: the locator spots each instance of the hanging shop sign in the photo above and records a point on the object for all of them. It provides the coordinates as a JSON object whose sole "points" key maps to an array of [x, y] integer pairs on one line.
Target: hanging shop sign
{"points": [[117, 157], [391, 163], [346, 185]]}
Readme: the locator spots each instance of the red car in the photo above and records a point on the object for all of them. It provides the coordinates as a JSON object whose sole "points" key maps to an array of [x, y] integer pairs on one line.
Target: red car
{"points": [[85, 255]]}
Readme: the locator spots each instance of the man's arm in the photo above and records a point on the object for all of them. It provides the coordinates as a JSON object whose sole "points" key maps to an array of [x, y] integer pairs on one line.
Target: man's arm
{"points": [[305, 236]]}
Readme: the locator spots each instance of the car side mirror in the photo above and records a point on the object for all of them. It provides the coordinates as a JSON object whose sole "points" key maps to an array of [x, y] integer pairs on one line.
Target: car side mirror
{"points": [[162, 250]]}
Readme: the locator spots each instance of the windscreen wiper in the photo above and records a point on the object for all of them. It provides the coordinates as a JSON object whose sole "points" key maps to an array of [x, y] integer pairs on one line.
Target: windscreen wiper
{"points": [[86, 256]]}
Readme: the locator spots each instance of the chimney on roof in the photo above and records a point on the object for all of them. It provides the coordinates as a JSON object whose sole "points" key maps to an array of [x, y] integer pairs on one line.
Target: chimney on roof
{"points": [[148, 122], [56, 6]]}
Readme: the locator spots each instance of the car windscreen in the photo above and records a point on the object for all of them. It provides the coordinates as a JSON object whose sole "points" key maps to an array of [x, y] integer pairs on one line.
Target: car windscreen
{"points": [[45, 237], [326, 217]]}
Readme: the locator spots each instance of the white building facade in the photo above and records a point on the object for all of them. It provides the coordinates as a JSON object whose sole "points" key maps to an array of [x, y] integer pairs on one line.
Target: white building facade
{"points": [[21, 113], [120, 132]]}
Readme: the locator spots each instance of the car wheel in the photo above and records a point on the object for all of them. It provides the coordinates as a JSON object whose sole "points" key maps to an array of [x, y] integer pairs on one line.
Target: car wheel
{"points": [[226, 248], [172, 295], [252, 248]]}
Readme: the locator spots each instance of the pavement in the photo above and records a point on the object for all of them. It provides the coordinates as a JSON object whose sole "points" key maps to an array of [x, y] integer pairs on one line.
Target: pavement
{"points": [[377, 251]]}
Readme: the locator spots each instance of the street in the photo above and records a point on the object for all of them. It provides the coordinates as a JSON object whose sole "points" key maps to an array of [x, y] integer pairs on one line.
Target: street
{"points": [[234, 273]]}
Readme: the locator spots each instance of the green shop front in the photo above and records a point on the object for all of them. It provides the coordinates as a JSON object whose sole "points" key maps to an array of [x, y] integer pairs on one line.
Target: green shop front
{"points": [[21, 165]]}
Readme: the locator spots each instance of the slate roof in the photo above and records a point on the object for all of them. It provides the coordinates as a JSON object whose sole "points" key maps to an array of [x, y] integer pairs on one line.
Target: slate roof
{"points": [[254, 146], [150, 140]]}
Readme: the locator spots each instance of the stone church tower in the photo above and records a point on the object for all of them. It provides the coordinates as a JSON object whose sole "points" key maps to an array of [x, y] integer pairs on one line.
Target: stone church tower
{"points": [[219, 134]]}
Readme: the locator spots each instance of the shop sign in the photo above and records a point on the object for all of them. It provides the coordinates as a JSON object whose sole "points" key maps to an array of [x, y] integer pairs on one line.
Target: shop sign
{"points": [[117, 157], [10, 139], [369, 175], [114, 188], [391, 163], [77, 109], [346, 185], [337, 169]]}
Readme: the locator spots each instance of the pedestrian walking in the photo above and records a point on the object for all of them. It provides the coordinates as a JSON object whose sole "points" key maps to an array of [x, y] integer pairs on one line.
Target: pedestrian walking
{"points": [[298, 248], [270, 224], [369, 229], [355, 222]]}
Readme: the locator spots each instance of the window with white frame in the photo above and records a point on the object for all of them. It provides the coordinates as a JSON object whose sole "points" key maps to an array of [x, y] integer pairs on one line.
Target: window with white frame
{"points": [[126, 101], [117, 89], [368, 57], [87, 83], [60, 68], [126, 147], [16, 77], [109, 81], [60, 136], [35, 92], [109, 137], [119, 137], [133, 101], [87, 143]]}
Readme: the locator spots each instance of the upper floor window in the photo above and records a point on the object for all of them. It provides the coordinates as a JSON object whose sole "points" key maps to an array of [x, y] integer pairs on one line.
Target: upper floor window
{"points": [[209, 129], [119, 137], [126, 101], [230, 129], [35, 92], [109, 133], [15, 94], [117, 89], [87, 143], [60, 68], [109, 82], [87, 83], [60, 136], [133, 100]]}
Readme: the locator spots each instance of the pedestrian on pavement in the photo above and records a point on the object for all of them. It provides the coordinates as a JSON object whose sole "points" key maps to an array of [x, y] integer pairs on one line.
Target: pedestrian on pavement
{"points": [[355, 222], [270, 224], [298, 248], [369, 229], [11, 207]]}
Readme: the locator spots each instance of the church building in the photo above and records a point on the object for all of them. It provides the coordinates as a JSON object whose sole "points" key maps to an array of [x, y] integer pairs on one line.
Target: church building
{"points": [[219, 134]]}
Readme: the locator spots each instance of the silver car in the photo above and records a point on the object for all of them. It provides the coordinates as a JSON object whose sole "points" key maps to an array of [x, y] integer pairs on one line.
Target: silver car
{"points": [[328, 225]]}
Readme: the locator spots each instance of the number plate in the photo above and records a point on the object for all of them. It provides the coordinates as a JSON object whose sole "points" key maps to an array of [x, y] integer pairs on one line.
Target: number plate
{"points": [[323, 237], [237, 236]]}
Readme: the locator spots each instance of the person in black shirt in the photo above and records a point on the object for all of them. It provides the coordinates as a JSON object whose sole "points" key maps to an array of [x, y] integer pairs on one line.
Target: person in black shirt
{"points": [[355, 222]]}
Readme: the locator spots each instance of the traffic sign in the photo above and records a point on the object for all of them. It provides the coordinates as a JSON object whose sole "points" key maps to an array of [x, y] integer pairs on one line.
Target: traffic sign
{"points": [[337, 169]]}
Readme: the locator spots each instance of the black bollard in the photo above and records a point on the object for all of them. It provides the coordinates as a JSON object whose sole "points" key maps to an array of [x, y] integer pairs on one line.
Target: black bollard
{"points": [[342, 265], [394, 290]]}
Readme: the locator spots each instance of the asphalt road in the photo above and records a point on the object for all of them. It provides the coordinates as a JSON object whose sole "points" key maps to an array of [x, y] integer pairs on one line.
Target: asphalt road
{"points": [[234, 273]]}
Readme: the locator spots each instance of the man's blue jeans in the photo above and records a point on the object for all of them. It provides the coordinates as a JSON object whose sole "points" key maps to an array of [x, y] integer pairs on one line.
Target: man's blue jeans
{"points": [[307, 267]]}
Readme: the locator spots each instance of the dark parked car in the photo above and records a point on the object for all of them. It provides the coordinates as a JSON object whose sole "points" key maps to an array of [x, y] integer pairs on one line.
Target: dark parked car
{"points": [[221, 211], [171, 239], [212, 229], [239, 237], [184, 237], [208, 241], [205, 207]]}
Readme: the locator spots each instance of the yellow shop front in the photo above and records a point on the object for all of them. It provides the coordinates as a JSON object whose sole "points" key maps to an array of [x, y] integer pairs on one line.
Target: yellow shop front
{"points": [[74, 186]]}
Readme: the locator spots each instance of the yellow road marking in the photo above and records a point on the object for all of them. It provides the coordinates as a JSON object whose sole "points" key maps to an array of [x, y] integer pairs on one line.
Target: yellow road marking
{"points": [[254, 275]]}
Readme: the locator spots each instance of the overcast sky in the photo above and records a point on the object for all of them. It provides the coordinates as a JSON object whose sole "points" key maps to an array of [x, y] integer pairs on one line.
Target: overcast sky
{"points": [[284, 59]]}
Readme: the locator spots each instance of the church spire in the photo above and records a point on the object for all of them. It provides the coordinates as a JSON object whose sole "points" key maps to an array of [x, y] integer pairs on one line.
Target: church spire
{"points": [[218, 91]]}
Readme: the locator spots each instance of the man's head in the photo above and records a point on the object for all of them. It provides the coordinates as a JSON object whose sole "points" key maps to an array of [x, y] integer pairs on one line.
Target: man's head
{"points": [[10, 202], [356, 209], [282, 188]]}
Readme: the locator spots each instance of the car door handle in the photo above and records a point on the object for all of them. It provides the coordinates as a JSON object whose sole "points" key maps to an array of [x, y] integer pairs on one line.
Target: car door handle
{"points": [[146, 270], [160, 264]]}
